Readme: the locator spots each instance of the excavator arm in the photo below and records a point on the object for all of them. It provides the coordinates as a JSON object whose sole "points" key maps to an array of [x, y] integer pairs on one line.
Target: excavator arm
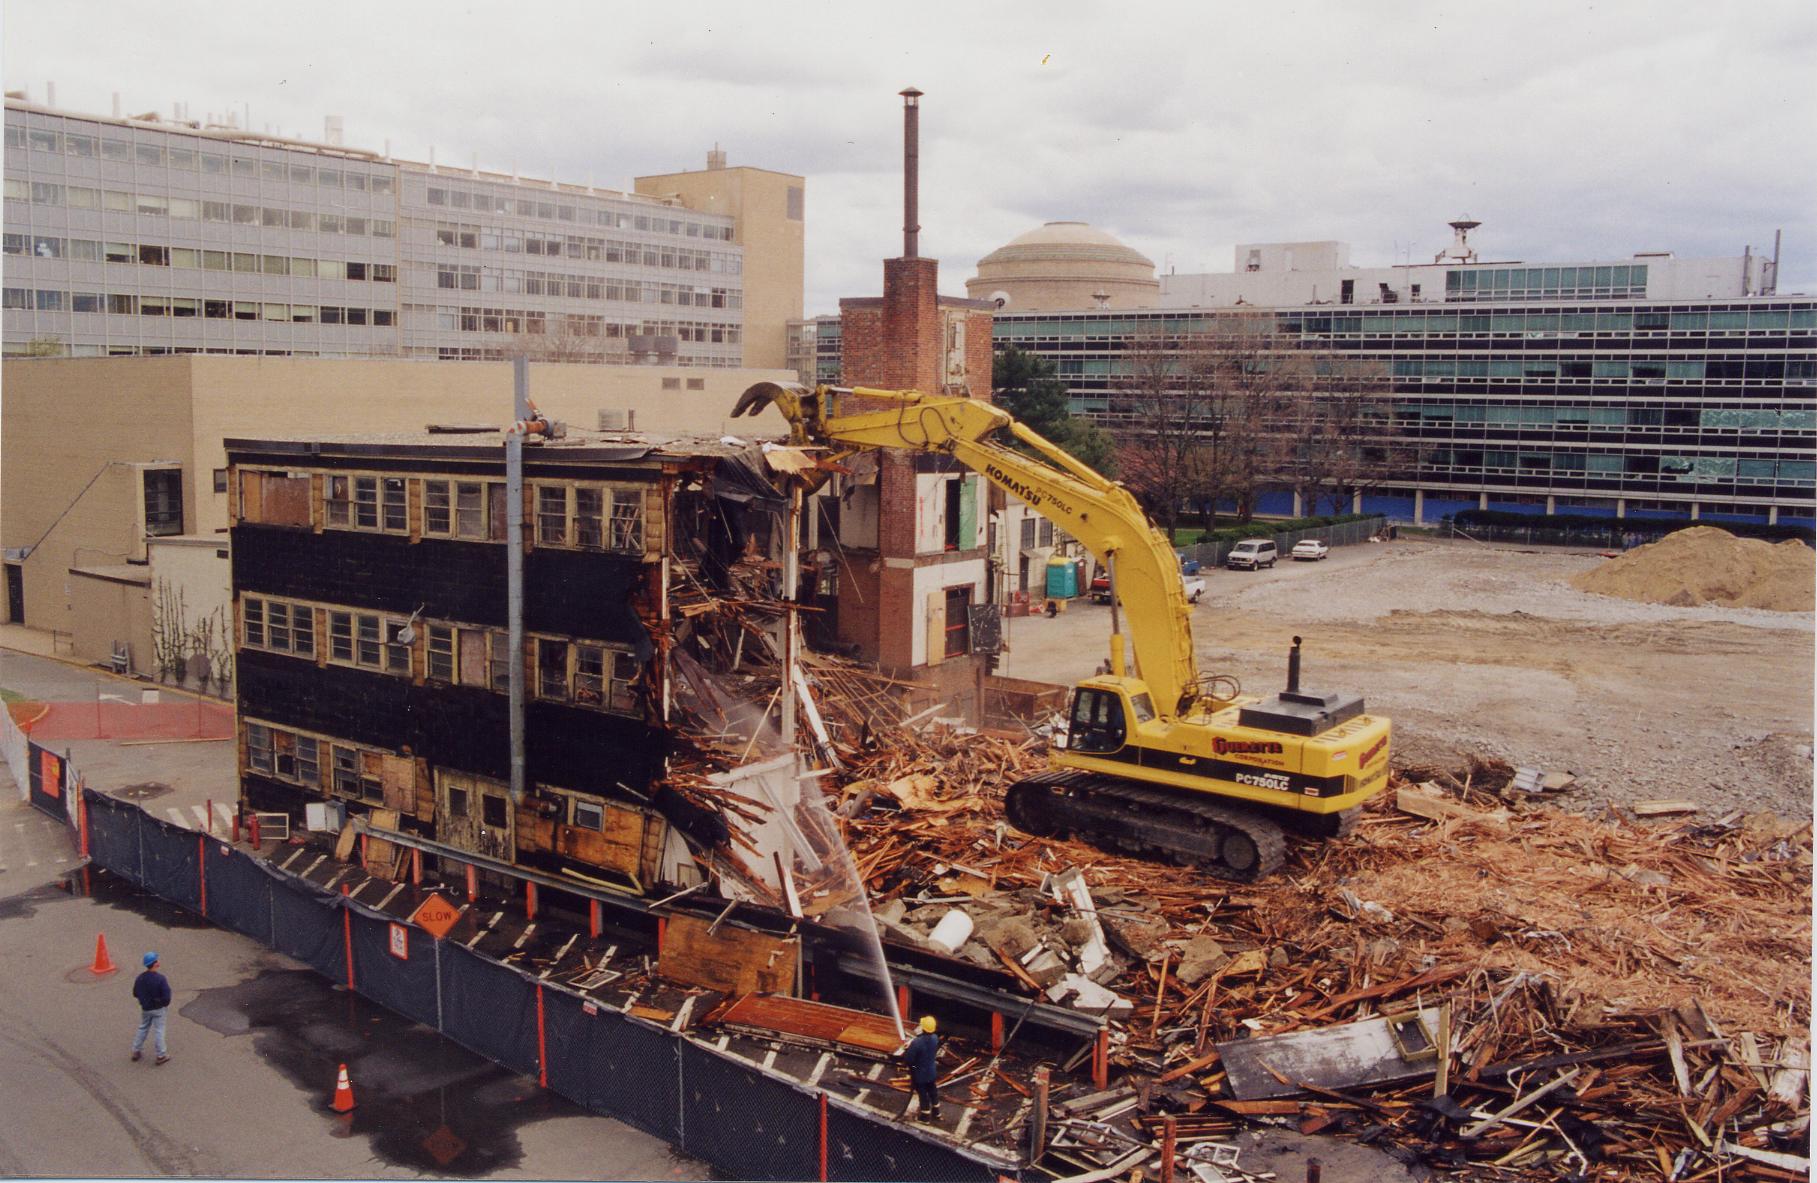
{"points": [[1100, 513]]}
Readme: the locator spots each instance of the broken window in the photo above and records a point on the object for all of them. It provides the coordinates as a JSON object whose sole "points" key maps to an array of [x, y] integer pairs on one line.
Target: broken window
{"points": [[589, 511], [457, 801], [628, 520], [551, 669], [164, 501], [589, 674], [493, 811], [958, 621], [624, 674]]}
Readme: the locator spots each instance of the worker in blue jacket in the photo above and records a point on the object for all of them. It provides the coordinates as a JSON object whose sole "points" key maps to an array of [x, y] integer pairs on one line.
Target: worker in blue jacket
{"points": [[920, 1054], [152, 989]]}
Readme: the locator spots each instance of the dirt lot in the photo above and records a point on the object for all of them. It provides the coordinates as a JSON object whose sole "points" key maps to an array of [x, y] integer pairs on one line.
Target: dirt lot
{"points": [[1487, 650]]}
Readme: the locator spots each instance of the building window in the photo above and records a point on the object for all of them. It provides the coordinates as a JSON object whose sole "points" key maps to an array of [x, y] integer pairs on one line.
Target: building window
{"points": [[258, 747], [457, 801], [589, 675], [220, 479], [492, 811], [628, 520], [958, 621], [441, 653], [338, 500], [589, 815], [498, 650], [620, 696], [356, 774], [163, 502], [470, 510], [366, 503], [279, 627], [437, 510], [551, 669], [366, 640], [955, 490], [589, 515], [552, 514]]}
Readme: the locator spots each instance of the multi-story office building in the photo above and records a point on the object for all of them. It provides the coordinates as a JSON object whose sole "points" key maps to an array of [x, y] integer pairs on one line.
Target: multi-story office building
{"points": [[127, 236], [371, 633], [1650, 387]]}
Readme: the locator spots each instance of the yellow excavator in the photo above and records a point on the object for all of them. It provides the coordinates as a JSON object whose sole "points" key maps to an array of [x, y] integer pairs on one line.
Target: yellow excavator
{"points": [[1159, 759]]}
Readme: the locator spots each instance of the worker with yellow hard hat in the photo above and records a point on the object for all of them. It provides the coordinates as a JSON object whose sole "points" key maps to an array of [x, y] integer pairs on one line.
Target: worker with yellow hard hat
{"points": [[920, 1054]]}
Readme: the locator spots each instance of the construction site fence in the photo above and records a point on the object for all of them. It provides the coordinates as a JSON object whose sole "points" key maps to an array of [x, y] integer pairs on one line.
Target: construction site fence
{"points": [[709, 1103], [1212, 554]]}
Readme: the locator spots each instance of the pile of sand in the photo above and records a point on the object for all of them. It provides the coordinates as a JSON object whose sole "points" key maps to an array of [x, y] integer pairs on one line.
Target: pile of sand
{"points": [[1704, 565]]}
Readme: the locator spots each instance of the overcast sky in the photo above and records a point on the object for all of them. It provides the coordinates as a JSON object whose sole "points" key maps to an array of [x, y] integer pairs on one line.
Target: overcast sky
{"points": [[1571, 130]]}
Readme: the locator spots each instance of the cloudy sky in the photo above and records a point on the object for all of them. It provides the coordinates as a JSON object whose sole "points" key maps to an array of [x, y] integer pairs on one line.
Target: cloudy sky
{"points": [[1571, 130]]}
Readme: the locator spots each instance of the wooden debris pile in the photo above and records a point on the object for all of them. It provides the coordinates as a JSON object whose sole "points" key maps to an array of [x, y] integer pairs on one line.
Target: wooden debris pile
{"points": [[1652, 979]]}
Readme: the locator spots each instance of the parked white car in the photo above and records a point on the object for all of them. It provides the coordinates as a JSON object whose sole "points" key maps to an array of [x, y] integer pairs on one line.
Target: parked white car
{"points": [[1195, 587], [1310, 549]]}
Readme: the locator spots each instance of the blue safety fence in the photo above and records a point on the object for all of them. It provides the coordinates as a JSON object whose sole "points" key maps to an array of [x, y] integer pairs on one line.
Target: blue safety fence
{"points": [[168, 856], [746, 1123], [630, 1069], [239, 892], [306, 925], [488, 1008], [113, 835]]}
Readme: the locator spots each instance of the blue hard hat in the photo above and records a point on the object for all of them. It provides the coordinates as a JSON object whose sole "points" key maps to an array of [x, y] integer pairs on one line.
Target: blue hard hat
{"points": [[151, 959]]}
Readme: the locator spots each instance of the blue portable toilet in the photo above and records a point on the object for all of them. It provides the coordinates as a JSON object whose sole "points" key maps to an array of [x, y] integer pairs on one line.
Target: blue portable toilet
{"points": [[1062, 578]]}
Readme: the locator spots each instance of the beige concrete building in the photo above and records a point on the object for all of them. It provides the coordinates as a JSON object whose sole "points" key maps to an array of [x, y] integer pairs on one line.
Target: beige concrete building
{"points": [[767, 211], [1064, 265], [114, 474]]}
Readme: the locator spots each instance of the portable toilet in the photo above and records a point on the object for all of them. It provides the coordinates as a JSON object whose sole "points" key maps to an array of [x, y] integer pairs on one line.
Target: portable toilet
{"points": [[1062, 578]]}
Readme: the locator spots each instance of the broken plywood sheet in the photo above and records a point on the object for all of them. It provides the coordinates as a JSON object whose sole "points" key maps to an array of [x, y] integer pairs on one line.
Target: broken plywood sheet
{"points": [[1340, 1057], [733, 960], [813, 1022]]}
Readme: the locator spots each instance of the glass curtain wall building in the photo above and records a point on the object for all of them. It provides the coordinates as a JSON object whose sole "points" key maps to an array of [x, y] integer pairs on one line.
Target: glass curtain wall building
{"points": [[129, 236], [1516, 394]]}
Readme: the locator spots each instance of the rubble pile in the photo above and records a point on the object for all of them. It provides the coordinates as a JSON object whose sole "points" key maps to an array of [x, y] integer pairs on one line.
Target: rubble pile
{"points": [[1632, 998], [1705, 565]]}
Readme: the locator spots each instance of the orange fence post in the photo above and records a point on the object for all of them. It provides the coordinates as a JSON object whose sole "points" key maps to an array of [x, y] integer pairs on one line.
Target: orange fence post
{"points": [[347, 936], [542, 1044], [529, 900], [823, 1138], [996, 1031], [1100, 1059], [593, 924], [472, 884]]}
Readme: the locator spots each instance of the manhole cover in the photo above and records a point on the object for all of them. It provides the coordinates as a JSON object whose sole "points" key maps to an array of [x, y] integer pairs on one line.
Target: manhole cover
{"points": [[144, 792]]}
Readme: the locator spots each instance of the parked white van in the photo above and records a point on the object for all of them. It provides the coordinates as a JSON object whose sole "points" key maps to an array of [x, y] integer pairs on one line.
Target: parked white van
{"points": [[1252, 553]]}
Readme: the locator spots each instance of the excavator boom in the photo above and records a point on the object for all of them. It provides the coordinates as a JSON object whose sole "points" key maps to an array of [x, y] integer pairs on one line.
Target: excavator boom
{"points": [[1103, 515], [1149, 762]]}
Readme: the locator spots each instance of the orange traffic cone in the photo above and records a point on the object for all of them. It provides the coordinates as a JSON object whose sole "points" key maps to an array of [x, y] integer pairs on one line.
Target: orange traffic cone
{"points": [[343, 1094], [103, 963]]}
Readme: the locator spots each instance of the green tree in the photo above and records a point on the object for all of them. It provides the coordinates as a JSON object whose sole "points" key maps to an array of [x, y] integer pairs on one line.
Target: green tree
{"points": [[1026, 386]]}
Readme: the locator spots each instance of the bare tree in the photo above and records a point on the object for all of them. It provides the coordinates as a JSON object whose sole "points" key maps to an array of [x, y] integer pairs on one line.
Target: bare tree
{"points": [[1161, 445], [1332, 434]]}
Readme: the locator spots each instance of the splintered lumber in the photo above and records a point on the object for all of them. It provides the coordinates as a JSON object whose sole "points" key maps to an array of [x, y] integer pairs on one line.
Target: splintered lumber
{"points": [[813, 1022], [735, 961], [1508, 1111], [1662, 807]]}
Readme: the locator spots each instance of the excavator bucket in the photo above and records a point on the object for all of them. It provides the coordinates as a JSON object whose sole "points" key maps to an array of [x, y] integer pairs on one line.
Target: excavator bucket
{"points": [[789, 395]]}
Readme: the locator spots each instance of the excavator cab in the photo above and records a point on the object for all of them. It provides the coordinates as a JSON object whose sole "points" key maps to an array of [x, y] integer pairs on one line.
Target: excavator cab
{"points": [[1096, 723]]}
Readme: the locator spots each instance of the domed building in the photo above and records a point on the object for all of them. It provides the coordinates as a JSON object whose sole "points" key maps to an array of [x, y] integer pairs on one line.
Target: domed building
{"points": [[1065, 265]]}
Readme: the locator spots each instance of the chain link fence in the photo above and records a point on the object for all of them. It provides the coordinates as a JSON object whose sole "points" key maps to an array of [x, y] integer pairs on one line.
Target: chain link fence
{"points": [[1211, 554]]}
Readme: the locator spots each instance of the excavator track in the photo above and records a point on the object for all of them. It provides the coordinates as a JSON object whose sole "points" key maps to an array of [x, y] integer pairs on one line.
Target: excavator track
{"points": [[1230, 843]]}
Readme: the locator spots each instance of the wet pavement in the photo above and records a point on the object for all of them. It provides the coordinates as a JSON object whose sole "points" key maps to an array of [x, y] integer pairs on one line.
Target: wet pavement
{"points": [[255, 1041]]}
